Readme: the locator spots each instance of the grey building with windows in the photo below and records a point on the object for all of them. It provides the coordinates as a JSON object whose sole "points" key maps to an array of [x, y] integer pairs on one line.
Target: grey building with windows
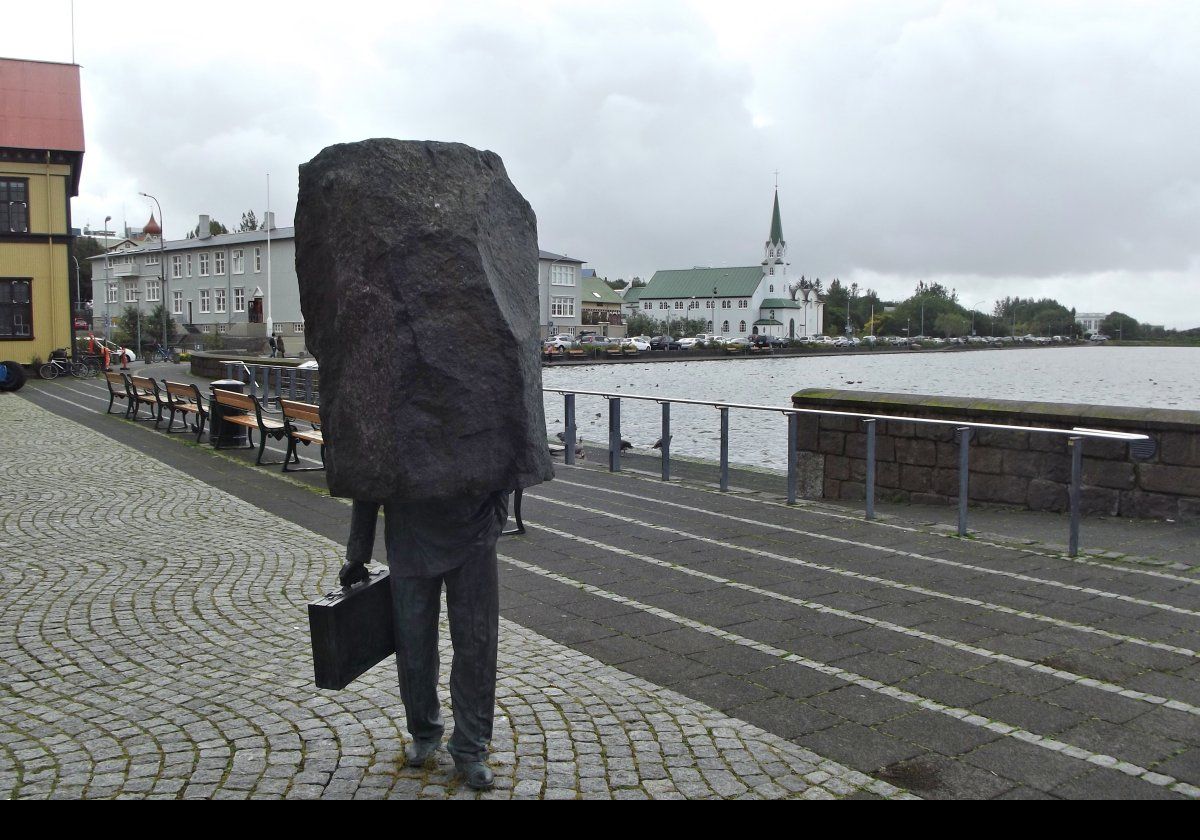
{"points": [[559, 302], [231, 284]]}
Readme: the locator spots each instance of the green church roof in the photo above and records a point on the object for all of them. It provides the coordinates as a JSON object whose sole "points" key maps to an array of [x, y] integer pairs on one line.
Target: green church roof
{"points": [[779, 303], [740, 281], [767, 322], [633, 294]]}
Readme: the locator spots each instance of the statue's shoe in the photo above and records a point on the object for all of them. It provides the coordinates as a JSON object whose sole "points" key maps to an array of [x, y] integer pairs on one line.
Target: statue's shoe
{"points": [[476, 774], [417, 752]]}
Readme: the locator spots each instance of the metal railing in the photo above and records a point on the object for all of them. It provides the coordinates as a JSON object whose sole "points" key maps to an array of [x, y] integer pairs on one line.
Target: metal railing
{"points": [[963, 429], [271, 382]]}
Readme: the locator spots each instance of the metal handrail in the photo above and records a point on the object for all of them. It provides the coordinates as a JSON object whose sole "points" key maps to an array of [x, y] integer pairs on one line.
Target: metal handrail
{"points": [[1075, 438]]}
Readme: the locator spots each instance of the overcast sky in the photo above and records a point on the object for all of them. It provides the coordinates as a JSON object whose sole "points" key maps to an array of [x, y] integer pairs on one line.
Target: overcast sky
{"points": [[1006, 148]]}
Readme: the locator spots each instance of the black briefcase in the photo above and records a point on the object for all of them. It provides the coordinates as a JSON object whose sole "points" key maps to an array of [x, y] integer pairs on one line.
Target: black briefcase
{"points": [[351, 631]]}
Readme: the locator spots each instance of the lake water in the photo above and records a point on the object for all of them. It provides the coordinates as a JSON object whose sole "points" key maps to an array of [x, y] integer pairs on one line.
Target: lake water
{"points": [[1159, 377]]}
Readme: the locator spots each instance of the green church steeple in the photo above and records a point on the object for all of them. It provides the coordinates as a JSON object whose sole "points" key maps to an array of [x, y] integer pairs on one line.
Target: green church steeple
{"points": [[776, 223]]}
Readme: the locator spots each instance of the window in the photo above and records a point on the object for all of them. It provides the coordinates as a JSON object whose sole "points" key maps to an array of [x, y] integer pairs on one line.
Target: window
{"points": [[742, 326], [724, 326], [205, 301], [679, 304], [562, 275], [772, 287], [176, 267], [14, 207], [257, 260], [771, 270], [743, 304], [708, 304], [219, 300], [16, 308], [239, 299], [176, 303], [152, 259], [772, 314], [219, 262], [221, 328], [153, 290], [664, 305], [237, 260], [206, 328], [647, 305], [727, 304], [189, 265], [131, 294], [203, 265], [562, 307], [298, 327], [110, 294]]}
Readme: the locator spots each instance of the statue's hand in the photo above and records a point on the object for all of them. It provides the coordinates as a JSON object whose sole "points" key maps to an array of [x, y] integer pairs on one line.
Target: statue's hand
{"points": [[353, 572]]}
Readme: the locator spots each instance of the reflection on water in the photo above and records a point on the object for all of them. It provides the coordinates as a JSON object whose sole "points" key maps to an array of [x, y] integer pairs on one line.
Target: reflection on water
{"points": [[1159, 377]]}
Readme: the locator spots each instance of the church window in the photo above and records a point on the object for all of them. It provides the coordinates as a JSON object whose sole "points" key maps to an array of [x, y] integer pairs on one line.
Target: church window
{"points": [[742, 326], [772, 288], [724, 326]]}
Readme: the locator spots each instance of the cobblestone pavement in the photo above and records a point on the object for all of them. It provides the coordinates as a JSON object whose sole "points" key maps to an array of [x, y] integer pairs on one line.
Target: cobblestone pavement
{"points": [[153, 643], [952, 668]]}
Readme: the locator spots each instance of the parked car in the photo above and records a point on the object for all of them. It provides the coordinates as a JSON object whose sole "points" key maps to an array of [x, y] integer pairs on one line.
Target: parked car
{"points": [[640, 343], [664, 342], [768, 341], [561, 342]]}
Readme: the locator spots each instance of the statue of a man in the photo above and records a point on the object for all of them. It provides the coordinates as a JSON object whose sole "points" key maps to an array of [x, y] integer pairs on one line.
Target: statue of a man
{"points": [[417, 264]]}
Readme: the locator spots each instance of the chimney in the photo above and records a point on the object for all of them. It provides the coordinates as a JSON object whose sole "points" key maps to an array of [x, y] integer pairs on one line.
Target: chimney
{"points": [[205, 229], [269, 220]]}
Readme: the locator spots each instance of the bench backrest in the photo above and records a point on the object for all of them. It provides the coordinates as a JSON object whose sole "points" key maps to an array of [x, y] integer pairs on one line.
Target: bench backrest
{"points": [[307, 412], [245, 402], [115, 382], [145, 385], [185, 391]]}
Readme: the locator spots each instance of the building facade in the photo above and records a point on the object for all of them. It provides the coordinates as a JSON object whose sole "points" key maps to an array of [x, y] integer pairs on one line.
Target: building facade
{"points": [[231, 284], [601, 308], [559, 287], [737, 301], [41, 155], [1090, 322]]}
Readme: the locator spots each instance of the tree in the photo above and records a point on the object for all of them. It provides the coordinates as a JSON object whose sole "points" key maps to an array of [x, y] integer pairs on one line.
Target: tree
{"points": [[249, 222], [951, 324], [639, 324], [1119, 325], [126, 323], [616, 285]]}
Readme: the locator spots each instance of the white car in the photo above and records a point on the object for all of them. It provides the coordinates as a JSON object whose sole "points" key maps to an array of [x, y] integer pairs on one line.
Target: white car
{"points": [[562, 342], [642, 345]]}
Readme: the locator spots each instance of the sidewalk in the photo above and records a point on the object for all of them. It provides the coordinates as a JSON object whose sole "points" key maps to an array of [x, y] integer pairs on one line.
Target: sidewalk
{"points": [[693, 640], [153, 640]]}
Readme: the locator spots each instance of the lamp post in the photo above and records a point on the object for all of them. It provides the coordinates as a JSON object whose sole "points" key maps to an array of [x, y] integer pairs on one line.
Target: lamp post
{"points": [[713, 325], [162, 271], [849, 301], [107, 317], [973, 305]]}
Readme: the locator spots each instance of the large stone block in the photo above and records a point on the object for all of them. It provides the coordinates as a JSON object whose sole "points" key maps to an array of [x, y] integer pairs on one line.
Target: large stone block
{"points": [[1180, 448], [922, 453], [986, 460], [1047, 495], [1099, 501], [837, 467], [1119, 475], [1143, 505], [417, 266], [916, 479], [831, 443], [808, 431], [1160, 478], [1006, 489]]}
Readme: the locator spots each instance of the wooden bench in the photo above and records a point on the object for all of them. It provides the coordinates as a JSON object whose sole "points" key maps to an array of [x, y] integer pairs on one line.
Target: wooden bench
{"points": [[299, 412], [145, 391], [185, 399], [116, 390], [251, 416], [577, 353]]}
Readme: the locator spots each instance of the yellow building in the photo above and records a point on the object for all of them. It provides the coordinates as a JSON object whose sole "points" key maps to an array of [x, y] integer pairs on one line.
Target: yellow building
{"points": [[41, 153]]}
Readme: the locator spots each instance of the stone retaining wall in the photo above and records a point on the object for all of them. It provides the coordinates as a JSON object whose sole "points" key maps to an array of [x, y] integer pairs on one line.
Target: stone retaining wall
{"points": [[919, 463]]}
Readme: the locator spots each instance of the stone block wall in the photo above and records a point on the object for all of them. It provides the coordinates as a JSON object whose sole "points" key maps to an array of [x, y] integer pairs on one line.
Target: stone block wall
{"points": [[919, 463]]}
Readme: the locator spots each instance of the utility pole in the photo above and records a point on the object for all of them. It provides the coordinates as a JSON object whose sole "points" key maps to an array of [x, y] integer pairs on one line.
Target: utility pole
{"points": [[162, 270]]}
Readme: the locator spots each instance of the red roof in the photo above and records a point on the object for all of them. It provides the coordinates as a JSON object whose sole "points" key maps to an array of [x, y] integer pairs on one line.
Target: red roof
{"points": [[40, 106]]}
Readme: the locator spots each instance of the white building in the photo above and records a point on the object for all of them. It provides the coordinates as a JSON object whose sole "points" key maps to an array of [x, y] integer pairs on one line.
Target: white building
{"points": [[1090, 322], [737, 301]]}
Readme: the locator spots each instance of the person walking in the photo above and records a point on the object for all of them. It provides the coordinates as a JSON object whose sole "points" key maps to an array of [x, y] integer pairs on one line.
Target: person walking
{"points": [[279, 344], [271, 344]]}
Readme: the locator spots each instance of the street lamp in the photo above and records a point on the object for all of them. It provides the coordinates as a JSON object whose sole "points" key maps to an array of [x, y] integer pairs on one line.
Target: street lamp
{"points": [[849, 301], [162, 270], [973, 305], [107, 279]]}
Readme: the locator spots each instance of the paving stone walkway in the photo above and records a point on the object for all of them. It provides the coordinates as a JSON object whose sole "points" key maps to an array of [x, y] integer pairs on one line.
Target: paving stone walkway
{"points": [[153, 644]]}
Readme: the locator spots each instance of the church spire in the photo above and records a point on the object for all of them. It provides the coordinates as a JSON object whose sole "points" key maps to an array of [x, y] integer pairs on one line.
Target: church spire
{"points": [[776, 223]]}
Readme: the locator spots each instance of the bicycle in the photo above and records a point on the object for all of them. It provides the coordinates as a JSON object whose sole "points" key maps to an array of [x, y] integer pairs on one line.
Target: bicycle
{"points": [[60, 364], [159, 354]]}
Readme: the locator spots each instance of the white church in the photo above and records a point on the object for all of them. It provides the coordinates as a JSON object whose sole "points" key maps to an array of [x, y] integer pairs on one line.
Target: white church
{"points": [[737, 301]]}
